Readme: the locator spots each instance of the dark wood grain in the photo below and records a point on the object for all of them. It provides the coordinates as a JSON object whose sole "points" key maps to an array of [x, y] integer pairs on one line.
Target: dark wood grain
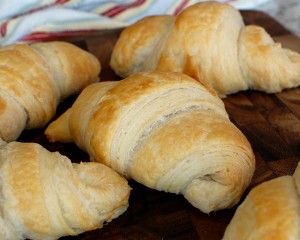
{"points": [[270, 122]]}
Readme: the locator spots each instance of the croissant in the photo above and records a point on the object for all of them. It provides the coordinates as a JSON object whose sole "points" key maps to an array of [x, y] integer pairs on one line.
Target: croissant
{"points": [[166, 131], [45, 196], [209, 42], [270, 211], [35, 78]]}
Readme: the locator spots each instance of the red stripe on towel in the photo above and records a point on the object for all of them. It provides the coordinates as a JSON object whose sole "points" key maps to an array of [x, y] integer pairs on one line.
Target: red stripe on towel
{"points": [[121, 8]]}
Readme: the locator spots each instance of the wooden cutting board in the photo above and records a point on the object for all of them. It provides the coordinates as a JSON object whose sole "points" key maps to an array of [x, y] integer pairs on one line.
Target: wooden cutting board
{"points": [[270, 122]]}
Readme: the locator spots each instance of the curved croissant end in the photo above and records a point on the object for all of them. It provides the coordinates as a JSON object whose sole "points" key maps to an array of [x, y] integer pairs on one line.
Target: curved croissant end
{"points": [[166, 131], [265, 65], [144, 37], [270, 211], [209, 42], [44, 196], [35, 78]]}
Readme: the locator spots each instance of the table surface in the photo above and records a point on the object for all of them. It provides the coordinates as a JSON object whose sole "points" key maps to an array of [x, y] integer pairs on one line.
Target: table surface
{"points": [[271, 122]]}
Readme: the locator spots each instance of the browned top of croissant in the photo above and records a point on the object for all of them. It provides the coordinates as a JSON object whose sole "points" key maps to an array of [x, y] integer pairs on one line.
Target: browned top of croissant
{"points": [[35, 78], [270, 211], [45, 196], [209, 42], [166, 131]]}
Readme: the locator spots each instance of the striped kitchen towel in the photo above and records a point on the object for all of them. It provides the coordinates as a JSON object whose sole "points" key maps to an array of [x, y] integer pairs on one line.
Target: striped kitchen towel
{"points": [[38, 20]]}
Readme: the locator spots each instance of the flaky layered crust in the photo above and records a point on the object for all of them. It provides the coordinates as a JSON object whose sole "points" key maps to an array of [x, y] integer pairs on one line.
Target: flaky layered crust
{"points": [[35, 78], [45, 196], [209, 42], [166, 131]]}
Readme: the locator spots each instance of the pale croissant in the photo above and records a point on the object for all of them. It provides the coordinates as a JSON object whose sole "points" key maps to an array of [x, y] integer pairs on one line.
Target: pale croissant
{"points": [[209, 42], [270, 211], [166, 131], [45, 196], [35, 78]]}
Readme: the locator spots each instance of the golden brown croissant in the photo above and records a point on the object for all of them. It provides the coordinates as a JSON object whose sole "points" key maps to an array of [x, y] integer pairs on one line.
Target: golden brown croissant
{"points": [[35, 78], [45, 196], [166, 131], [209, 42], [270, 211]]}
